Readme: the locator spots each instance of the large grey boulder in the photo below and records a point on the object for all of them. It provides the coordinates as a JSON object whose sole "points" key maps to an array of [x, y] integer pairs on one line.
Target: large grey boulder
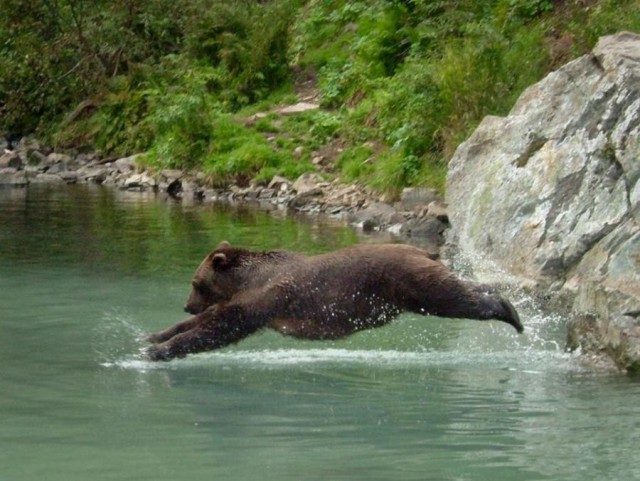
{"points": [[551, 195]]}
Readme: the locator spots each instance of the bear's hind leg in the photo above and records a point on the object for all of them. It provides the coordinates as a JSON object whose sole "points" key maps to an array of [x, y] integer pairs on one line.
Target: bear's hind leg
{"points": [[510, 314], [453, 298], [494, 306]]}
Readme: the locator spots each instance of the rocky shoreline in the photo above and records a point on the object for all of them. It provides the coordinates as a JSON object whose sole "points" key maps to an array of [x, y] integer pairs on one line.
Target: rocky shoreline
{"points": [[419, 215]]}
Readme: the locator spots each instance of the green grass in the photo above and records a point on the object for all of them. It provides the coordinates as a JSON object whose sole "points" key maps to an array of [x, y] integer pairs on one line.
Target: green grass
{"points": [[401, 83], [419, 80]]}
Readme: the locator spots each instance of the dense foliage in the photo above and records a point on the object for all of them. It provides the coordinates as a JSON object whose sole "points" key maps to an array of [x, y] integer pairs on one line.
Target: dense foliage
{"points": [[401, 83]]}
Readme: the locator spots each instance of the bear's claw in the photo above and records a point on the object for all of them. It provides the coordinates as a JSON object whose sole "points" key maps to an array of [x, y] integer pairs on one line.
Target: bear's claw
{"points": [[158, 353], [511, 315]]}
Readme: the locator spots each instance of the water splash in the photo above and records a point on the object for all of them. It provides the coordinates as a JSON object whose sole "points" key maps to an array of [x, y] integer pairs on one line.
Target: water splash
{"points": [[115, 335], [410, 342], [524, 360]]}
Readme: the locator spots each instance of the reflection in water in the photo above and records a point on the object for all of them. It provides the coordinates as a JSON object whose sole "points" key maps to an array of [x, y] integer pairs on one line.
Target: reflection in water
{"points": [[85, 273]]}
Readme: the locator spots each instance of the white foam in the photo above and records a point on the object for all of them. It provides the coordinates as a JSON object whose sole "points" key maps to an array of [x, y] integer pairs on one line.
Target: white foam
{"points": [[532, 362]]}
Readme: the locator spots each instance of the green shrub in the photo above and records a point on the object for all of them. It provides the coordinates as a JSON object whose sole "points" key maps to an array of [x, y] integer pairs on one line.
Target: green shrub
{"points": [[605, 18], [394, 170], [355, 162], [530, 8], [247, 41], [411, 79], [312, 129], [57, 54], [267, 124], [239, 154], [120, 126]]}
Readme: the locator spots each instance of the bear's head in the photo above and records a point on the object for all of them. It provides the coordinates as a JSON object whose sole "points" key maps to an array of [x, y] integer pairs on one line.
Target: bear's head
{"points": [[214, 280]]}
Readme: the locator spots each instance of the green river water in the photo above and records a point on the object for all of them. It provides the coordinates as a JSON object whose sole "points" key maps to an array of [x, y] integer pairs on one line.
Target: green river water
{"points": [[84, 272]]}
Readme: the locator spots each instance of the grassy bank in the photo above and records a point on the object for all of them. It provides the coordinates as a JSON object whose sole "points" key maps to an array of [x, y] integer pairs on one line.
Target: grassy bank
{"points": [[400, 83]]}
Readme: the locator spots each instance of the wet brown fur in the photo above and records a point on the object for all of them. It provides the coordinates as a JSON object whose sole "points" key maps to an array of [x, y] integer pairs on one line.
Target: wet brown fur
{"points": [[236, 292]]}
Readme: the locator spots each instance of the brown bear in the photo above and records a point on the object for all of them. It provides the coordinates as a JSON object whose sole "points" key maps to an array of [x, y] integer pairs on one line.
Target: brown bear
{"points": [[237, 292]]}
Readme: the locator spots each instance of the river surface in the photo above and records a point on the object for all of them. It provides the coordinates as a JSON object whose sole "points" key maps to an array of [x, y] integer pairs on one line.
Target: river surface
{"points": [[84, 272]]}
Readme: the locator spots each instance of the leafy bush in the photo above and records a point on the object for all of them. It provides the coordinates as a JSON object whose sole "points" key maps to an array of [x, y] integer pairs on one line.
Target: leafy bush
{"points": [[58, 54], [530, 8], [247, 41], [402, 81], [454, 63]]}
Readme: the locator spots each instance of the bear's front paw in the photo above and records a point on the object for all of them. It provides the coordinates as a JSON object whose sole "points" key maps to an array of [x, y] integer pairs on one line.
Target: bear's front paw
{"points": [[158, 353], [154, 337]]}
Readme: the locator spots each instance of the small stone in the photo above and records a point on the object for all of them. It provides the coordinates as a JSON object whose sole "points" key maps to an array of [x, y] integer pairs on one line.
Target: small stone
{"points": [[298, 108], [413, 197], [57, 168], [12, 176], [36, 157], [139, 181], [279, 183], [307, 182], [266, 193], [171, 174], [56, 158], [47, 179], [10, 159], [69, 176], [126, 164]]}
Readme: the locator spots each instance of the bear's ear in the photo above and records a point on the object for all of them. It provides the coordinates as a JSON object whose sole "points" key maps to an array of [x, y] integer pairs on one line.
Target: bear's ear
{"points": [[223, 244], [219, 260]]}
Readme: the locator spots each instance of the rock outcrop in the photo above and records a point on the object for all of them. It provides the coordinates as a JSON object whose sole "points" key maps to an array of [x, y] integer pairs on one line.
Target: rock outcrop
{"points": [[551, 195]]}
